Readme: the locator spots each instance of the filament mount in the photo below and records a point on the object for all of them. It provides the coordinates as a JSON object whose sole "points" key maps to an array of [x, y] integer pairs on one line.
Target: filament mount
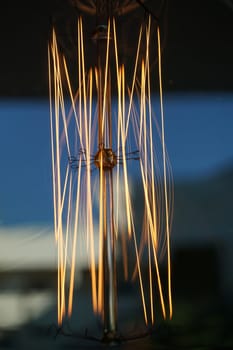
{"points": [[106, 157]]}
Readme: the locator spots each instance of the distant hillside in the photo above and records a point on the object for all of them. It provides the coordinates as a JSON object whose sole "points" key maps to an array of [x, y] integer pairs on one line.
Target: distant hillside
{"points": [[202, 235], [203, 209]]}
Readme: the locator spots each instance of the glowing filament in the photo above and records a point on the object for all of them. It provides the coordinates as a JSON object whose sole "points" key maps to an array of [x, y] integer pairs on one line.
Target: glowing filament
{"points": [[132, 132]]}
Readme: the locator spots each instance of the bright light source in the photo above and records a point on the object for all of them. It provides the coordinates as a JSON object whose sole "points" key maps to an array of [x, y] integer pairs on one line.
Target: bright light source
{"points": [[103, 144]]}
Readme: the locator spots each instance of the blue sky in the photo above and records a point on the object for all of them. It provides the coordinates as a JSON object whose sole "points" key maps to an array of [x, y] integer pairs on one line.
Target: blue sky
{"points": [[198, 136], [199, 133]]}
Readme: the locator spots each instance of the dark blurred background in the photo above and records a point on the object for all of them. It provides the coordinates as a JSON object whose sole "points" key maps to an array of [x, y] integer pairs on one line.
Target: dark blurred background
{"points": [[198, 49], [198, 101]]}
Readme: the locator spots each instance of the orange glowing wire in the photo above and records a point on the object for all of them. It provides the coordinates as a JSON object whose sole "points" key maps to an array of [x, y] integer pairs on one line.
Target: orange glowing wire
{"points": [[74, 192], [101, 238], [165, 175], [71, 288]]}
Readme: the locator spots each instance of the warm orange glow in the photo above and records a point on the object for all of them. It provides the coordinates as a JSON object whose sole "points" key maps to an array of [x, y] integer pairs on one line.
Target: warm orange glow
{"points": [[101, 238], [72, 272], [165, 177], [77, 127]]}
